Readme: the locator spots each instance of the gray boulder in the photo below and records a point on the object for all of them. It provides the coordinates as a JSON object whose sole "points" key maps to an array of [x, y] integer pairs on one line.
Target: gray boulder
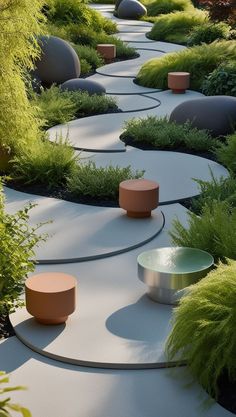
{"points": [[117, 4], [131, 9], [58, 61], [92, 87], [214, 113]]}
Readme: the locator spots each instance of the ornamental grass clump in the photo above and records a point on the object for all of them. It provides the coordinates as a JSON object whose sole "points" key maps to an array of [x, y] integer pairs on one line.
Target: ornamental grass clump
{"points": [[222, 189], [157, 7], [199, 60], [46, 163], [163, 134], [55, 106], [213, 231], [175, 27], [203, 331], [208, 33], [226, 153], [100, 183]]}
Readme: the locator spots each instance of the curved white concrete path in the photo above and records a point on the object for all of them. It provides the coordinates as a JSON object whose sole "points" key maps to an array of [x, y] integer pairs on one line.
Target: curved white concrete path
{"points": [[174, 171], [114, 322], [129, 68], [79, 232], [59, 390], [101, 133]]}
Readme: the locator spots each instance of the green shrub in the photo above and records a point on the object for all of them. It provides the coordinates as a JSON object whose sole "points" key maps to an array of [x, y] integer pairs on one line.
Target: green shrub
{"points": [[204, 328], [222, 189], [85, 67], [208, 33], [5, 405], [90, 55], [226, 153], [56, 106], [156, 7], [45, 163], [78, 12], [20, 22], [83, 35], [100, 183], [163, 134], [175, 27], [222, 81], [213, 231], [17, 243], [200, 61]]}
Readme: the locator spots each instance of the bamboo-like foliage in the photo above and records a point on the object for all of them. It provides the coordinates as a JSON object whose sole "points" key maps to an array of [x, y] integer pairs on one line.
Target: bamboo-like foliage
{"points": [[20, 23], [204, 327]]}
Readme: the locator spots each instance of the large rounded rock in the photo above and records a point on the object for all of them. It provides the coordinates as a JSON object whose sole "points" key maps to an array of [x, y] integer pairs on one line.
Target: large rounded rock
{"points": [[92, 87], [215, 113], [131, 9], [58, 61], [117, 4]]}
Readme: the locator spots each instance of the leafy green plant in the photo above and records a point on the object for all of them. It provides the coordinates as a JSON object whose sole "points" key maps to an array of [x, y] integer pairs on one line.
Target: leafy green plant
{"points": [[175, 27], [90, 55], [5, 405], [17, 243], [204, 328], [222, 81], [78, 12], [56, 106], [45, 163], [208, 33], [226, 153], [100, 183], [156, 7], [200, 61], [222, 189], [163, 134], [214, 230], [20, 23]]}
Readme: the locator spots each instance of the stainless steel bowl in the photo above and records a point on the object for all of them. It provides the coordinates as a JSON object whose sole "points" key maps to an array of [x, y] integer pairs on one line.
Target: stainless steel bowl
{"points": [[168, 271]]}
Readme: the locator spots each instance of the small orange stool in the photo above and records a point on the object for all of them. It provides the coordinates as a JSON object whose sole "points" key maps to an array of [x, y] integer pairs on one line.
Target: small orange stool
{"points": [[178, 82], [108, 51], [139, 197], [50, 297]]}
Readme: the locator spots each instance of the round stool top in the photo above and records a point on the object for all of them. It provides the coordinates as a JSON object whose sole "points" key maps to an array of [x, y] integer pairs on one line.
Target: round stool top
{"points": [[107, 45], [50, 282], [139, 185], [179, 74]]}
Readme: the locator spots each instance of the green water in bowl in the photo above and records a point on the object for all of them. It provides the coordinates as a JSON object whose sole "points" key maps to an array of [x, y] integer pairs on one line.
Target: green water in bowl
{"points": [[178, 260]]}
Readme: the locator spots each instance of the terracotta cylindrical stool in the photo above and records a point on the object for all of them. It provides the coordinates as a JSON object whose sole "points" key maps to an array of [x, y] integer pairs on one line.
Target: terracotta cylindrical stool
{"points": [[178, 82], [139, 197], [108, 51], [50, 297]]}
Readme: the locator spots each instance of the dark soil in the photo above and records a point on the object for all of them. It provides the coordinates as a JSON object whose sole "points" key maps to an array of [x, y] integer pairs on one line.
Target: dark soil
{"points": [[227, 393]]}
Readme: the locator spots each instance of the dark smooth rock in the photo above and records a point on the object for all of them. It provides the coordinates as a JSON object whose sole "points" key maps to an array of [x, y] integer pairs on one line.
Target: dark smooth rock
{"points": [[217, 114], [58, 61], [92, 87], [117, 4], [131, 9]]}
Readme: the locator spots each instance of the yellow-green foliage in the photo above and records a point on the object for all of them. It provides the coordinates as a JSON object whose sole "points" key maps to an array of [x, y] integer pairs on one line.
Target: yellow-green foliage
{"points": [[19, 24], [157, 7], [5, 405], [199, 61], [204, 327], [213, 231], [226, 153], [175, 27]]}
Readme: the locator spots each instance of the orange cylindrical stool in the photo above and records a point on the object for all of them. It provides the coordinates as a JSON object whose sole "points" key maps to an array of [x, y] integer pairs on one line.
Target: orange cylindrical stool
{"points": [[108, 51], [178, 82], [50, 297], [139, 197]]}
